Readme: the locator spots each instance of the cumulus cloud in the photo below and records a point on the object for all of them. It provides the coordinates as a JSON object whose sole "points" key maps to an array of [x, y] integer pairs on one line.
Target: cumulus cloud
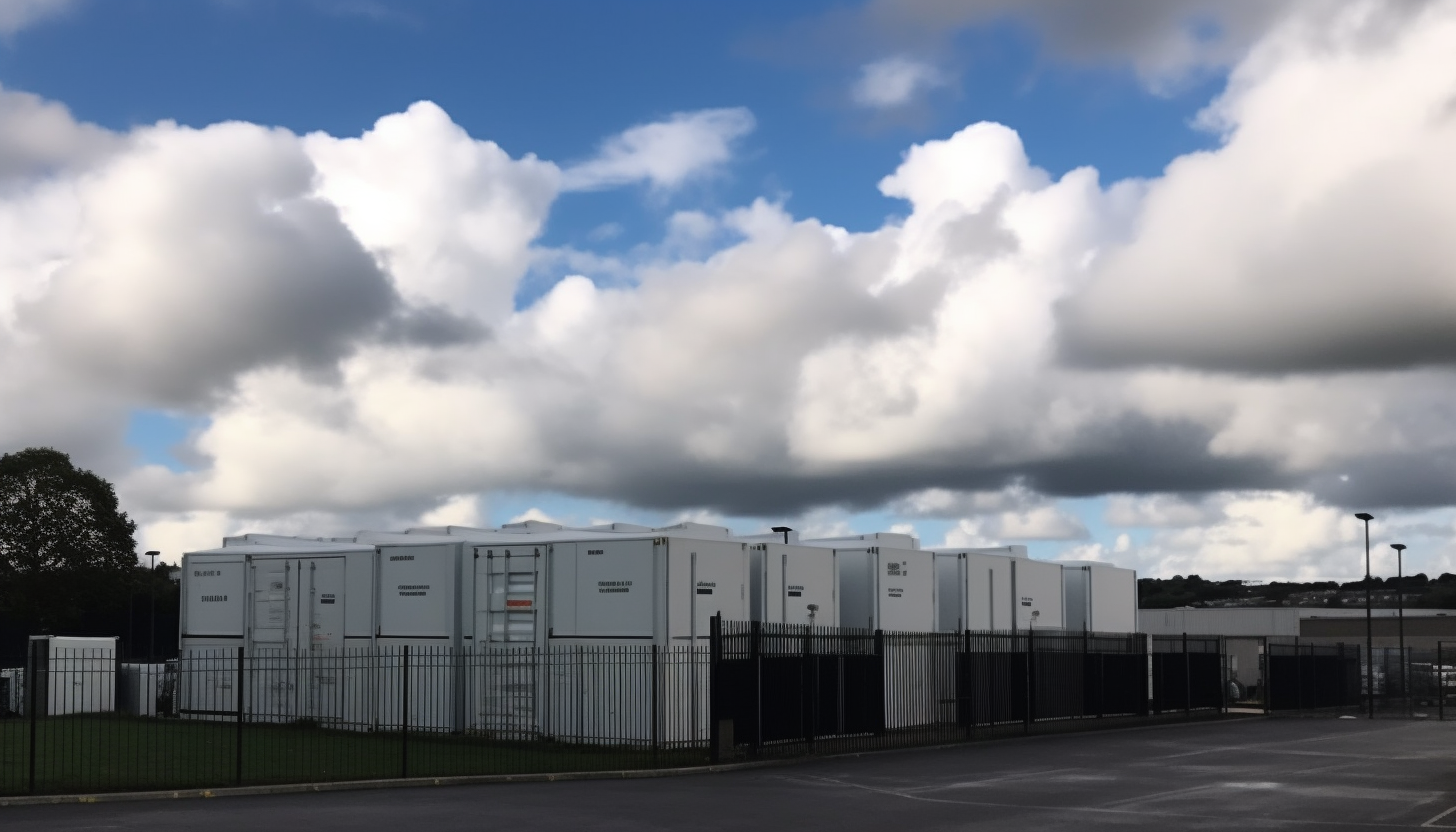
{"points": [[663, 154], [342, 310], [1164, 41], [39, 136], [205, 255], [894, 82], [1162, 510], [1316, 237], [19, 14]]}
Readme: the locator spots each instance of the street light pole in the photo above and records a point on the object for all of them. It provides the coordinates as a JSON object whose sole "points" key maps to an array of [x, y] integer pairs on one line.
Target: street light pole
{"points": [[152, 583], [1369, 631], [1400, 619]]}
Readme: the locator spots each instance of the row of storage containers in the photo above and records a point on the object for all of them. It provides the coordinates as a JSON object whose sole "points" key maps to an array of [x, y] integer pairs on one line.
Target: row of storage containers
{"points": [[540, 583], [453, 591]]}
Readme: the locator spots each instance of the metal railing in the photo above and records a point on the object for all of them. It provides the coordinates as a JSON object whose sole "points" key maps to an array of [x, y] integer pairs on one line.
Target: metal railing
{"points": [[786, 690], [86, 721], [90, 721]]}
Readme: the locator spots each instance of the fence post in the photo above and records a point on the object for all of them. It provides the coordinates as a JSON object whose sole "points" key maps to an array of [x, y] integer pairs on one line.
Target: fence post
{"points": [[1223, 679], [404, 715], [239, 702], [963, 686], [879, 647], [32, 698], [1028, 713], [1268, 675], [715, 656], [755, 648], [1187, 680], [1440, 684], [654, 704]]}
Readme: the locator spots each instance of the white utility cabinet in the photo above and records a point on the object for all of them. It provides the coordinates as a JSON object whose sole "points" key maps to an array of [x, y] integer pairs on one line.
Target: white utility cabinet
{"points": [[974, 589], [1100, 597], [1036, 586], [883, 588], [794, 584], [79, 674]]}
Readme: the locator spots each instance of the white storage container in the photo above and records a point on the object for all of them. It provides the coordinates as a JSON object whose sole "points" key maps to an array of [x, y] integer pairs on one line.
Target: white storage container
{"points": [[78, 676], [974, 589], [883, 588], [792, 584], [1036, 586], [282, 599], [1100, 597], [141, 688], [12, 691]]}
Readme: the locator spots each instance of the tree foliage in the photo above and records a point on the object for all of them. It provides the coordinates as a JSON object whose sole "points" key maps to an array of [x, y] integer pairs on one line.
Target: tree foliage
{"points": [[65, 545]]}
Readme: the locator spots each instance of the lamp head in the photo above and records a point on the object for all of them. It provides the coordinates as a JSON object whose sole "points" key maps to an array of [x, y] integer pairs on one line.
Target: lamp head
{"points": [[1399, 547], [1366, 516]]}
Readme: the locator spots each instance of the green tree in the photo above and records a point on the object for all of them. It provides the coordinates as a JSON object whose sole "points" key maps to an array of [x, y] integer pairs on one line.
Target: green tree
{"points": [[65, 546]]}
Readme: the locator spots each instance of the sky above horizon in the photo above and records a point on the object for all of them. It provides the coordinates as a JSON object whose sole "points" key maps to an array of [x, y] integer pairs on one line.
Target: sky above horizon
{"points": [[1166, 283]]}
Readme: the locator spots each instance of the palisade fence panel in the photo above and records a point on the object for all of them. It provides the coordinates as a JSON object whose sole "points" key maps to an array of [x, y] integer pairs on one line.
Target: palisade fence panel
{"points": [[88, 722], [1188, 673], [785, 690], [1301, 676], [79, 721]]}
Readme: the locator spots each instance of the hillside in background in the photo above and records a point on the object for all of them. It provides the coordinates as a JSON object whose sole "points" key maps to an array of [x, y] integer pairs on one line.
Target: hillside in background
{"points": [[1193, 591]]}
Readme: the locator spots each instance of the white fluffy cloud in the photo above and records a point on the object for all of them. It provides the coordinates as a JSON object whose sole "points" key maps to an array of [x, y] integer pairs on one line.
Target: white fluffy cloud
{"points": [[664, 154], [1318, 233], [894, 82], [340, 309], [18, 14]]}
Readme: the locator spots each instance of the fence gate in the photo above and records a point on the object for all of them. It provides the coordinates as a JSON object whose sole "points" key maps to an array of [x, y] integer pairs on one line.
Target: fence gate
{"points": [[1301, 676], [778, 682]]}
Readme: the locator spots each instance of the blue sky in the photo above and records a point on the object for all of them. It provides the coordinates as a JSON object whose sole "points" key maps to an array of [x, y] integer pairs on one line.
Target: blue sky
{"points": [[555, 78], [1097, 386]]}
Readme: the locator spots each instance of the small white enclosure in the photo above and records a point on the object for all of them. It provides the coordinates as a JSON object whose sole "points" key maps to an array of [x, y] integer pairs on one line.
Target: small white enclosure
{"points": [[1037, 589], [974, 589], [882, 588], [790, 580], [79, 674], [1100, 597]]}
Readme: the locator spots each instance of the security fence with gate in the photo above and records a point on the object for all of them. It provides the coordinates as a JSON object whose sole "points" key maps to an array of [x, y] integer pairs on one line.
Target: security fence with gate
{"points": [[77, 721], [791, 689]]}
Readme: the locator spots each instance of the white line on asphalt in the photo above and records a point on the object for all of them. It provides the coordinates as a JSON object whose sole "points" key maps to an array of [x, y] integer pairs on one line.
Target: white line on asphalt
{"points": [[1345, 823], [1432, 822]]}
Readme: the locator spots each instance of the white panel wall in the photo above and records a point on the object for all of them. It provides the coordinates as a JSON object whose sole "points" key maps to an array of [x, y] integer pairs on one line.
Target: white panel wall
{"points": [[1114, 599], [419, 592], [794, 578], [212, 595], [906, 590], [1038, 592]]}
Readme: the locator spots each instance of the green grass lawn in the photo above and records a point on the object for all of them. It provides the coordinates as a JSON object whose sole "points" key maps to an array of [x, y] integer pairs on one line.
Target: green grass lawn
{"points": [[120, 753]]}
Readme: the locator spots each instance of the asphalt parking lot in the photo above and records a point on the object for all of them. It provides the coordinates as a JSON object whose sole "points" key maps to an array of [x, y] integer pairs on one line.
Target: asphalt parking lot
{"points": [[1239, 774]]}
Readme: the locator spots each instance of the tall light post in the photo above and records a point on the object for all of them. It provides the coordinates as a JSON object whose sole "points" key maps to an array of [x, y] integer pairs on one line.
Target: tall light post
{"points": [[1400, 619], [1369, 631], [152, 583]]}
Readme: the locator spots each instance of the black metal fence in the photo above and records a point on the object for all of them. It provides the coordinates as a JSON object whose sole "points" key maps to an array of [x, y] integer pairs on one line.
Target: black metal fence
{"points": [[86, 721], [90, 720], [785, 690], [1303, 676]]}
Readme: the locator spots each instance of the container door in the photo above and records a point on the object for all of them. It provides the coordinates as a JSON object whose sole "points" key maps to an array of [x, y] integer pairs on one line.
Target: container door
{"points": [[325, 628], [272, 684], [322, 662], [270, 584], [505, 603]]}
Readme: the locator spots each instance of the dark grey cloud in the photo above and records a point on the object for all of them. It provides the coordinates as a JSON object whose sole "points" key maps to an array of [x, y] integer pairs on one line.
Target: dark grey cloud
{"points": [[206, 257]]}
